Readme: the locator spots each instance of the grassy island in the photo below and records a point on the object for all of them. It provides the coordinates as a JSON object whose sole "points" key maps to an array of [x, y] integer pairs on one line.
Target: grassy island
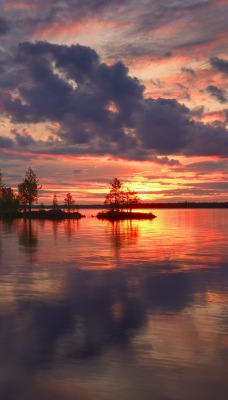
{"points": [[51, 214], [123, 215]]}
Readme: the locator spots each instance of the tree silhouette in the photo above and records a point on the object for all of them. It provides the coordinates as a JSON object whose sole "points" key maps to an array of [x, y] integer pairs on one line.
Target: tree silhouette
{"points": [[41, 206], [9, 202], [1, 184], [28, 189], [119, 198], [68, 201], [115, 198], [55, 203], [131, 198]]}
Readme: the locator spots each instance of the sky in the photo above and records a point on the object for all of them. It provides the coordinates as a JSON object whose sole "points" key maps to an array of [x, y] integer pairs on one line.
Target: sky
{"points": [[134, 89]]}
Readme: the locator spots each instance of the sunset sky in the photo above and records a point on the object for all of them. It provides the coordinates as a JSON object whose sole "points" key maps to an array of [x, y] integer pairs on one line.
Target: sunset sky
{"points": [[96, 89]]}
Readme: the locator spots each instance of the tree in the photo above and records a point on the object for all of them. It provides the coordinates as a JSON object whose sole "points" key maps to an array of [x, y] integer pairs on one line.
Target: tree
{"points": [[55, 203], [1, 184], [115, 198], [131, 198], [9, 202], [41, 206], [118, 197], [28, 189], [68, 201]]}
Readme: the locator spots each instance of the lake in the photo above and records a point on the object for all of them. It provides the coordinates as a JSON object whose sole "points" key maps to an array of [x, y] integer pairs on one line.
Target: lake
{"points": [[130, 310]]}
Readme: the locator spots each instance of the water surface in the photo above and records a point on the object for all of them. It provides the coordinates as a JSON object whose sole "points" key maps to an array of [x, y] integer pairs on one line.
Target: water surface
{"points": [[131, 310]]}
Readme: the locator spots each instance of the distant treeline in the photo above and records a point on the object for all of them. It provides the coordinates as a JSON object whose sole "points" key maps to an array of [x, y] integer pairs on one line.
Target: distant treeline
{"points": [[150, 205], [186, 205]]}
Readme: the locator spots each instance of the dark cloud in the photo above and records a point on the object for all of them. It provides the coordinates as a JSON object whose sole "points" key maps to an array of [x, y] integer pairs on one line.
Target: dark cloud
{"points": [[220, 94], [226, 115], [219, 64], [192, 191], [197, 112], [215, 186], [5, 142], [100, 109], [206, 167], [24, 138], [4, 26], [168, 54], [188, 71]]}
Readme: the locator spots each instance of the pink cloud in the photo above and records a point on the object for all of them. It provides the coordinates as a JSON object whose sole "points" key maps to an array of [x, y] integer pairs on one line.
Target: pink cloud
{"points": [[58, 29], [19, 6]]}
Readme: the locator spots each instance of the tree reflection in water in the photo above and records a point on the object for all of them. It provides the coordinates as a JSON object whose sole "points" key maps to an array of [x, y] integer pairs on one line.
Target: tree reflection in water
{"points": [[70, 227], [55, 228], [28, 237], [123, 232]]}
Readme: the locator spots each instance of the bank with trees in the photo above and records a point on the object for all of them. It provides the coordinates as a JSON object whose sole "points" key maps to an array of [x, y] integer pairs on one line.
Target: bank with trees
{"points": [[19, 205]]}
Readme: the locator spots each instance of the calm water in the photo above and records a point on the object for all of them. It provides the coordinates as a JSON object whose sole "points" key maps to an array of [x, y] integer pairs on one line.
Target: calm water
{"points": [[128, 311]]}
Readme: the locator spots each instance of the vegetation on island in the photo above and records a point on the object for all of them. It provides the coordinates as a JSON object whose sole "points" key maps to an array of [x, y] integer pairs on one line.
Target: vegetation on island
{"points": [[9, 202], [28, 190], [120, 202], [19, 205]]}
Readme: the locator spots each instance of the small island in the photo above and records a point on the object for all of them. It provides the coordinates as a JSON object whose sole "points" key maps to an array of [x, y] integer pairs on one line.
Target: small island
{"points": [[53, 214], [121, 202], [123, 215]]}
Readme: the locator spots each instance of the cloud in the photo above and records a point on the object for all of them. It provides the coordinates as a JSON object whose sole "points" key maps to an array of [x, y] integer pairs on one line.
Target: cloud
{"points": [[4, 26], [184, 90], [226, 115], [24, 138], [220, 94], [219, 64], [188, 71], [130, 22], [100, 109], [5, 142], [206, 167], [197, 112], [223, 186]]}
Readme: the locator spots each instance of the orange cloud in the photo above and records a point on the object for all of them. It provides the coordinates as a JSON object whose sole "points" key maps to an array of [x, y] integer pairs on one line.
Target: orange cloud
{"points": [[212, 116]]}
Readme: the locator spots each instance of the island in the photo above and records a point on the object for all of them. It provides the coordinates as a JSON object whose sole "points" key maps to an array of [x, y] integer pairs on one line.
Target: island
{"points": [[120, 202], [55, 214], [123, 215]]}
